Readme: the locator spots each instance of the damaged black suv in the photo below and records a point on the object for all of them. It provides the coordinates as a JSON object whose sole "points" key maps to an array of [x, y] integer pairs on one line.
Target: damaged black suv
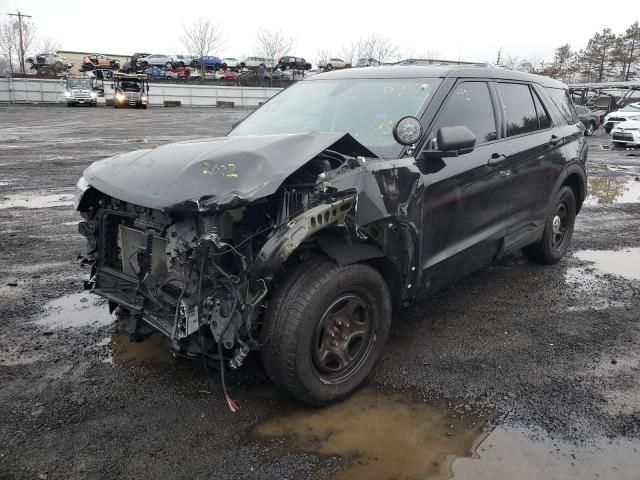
{"points": [[330, 207]]}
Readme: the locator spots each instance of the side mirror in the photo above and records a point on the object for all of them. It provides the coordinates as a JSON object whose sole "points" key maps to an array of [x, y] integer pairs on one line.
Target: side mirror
{"points": [[459, 139], [452, 141]]}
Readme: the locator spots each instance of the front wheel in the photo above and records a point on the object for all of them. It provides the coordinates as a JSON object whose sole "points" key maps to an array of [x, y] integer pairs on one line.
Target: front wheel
{"points": [[590, 129], [325, 329], [558, 230]]}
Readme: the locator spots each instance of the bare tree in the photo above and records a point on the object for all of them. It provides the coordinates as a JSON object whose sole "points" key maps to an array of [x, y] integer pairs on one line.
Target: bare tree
{"points": [[499, 57], [322, 56], [15, 46], [48, 45], [201, 38], [432, 54], [7, 44], [272, 44], [4, 67], [377, 47], [349, 52]]}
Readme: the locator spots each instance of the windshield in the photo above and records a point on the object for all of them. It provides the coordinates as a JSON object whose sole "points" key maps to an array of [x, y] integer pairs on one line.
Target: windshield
{"points": [[79, 83], [130, 85], [368, 109], [631, 108]]}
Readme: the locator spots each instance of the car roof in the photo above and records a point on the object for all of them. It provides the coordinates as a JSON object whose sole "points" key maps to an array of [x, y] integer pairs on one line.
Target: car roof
{"points": [[437, 71]]}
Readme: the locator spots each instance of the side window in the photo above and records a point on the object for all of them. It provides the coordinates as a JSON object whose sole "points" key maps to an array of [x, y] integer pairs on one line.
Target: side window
{"points": [[543, 116], [519, 107], [469, 106], [563, 101]]}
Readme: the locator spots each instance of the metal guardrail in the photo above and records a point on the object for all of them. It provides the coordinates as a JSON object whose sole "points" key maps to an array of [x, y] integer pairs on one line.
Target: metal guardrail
{"points": [[22, 90]]}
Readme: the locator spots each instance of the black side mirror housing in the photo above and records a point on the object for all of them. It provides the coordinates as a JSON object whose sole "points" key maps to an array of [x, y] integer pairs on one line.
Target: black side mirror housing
{"points": [[452, 141], [459, 139]]}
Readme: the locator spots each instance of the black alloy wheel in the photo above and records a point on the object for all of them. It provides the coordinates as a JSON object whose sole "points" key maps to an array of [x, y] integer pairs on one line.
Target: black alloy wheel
{"points": [[589, 130], [343, 337], [558, 229], [559, 225]]}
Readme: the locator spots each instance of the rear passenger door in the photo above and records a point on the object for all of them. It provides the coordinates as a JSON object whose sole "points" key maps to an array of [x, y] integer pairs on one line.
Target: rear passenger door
{"points": [[534, 149]]}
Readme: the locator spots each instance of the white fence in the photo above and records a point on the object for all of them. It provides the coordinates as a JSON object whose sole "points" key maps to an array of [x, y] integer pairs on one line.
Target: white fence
{"points": [[28, 90]]}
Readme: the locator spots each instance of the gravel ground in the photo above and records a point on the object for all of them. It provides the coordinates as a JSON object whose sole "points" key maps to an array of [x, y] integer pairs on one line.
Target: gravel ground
{"points": [[550, 348]]}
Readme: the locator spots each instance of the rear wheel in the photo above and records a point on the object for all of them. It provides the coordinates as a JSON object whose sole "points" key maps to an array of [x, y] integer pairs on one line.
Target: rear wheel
{"points": [[325, 329], [558, 230], [607, 129]]}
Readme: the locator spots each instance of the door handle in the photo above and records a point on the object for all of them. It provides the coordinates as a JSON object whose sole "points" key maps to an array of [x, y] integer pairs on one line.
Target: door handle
{"points": [[496, 159], [554, 140]]}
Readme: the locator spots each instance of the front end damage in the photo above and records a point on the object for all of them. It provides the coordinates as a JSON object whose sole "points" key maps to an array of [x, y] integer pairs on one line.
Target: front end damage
{"points": [[199, 265]]}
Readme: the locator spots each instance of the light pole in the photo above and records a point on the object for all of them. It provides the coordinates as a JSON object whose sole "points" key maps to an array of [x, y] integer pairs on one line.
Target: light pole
{"points": [[20, 16]]}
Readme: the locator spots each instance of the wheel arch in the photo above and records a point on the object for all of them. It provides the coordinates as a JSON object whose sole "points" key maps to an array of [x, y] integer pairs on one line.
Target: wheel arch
{"points": [[578, 186], [344, 253], [575, 177]]}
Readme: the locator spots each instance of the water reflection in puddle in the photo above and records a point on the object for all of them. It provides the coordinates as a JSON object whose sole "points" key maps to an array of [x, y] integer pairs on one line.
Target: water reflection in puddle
{"points": [[509, 453], [37, 201], [624, 263], [609, 190], [76, 310], [380, 436]]}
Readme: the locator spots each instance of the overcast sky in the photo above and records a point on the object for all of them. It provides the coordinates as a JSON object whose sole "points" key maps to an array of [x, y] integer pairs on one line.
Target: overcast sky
{"points": [[455, 29]]}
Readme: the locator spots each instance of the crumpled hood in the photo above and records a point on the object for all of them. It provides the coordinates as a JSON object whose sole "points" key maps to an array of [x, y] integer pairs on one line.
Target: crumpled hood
{"points": [[224, 171]]}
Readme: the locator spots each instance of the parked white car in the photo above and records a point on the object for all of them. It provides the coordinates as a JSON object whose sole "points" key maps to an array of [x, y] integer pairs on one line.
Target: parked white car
{"points": [[156, 60], [368, 62], [183, 60], [231, 62], [629, 112], [333, 64], [626, 133], [255, 62], [208, 75]]}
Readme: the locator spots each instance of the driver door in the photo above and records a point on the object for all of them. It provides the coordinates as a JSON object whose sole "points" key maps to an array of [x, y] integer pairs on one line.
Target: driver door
{"points": [[465, 199]]}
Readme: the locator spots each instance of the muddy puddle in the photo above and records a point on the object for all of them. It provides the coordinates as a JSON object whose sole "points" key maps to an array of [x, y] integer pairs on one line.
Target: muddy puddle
{"points": [[624, 263], [76, 310], [36, 201], [610, 190], [380, 436], [153, 350], [394, 436]]}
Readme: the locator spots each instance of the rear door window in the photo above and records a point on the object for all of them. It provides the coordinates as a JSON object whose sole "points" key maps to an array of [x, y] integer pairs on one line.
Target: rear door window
{"points": [[562, 100], [470, 106], [519, 108]]}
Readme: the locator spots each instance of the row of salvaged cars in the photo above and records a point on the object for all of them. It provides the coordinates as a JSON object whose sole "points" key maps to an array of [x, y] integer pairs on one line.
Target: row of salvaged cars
{"points": [[55, 64], [614, 106], [623, 126]]}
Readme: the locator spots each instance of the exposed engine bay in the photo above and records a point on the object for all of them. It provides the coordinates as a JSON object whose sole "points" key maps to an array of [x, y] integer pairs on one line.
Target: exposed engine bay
{"points": [[199, 269]]}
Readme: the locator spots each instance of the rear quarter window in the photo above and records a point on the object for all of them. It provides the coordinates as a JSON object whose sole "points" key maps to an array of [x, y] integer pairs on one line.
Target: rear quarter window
{"points": [[562, 100]]}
